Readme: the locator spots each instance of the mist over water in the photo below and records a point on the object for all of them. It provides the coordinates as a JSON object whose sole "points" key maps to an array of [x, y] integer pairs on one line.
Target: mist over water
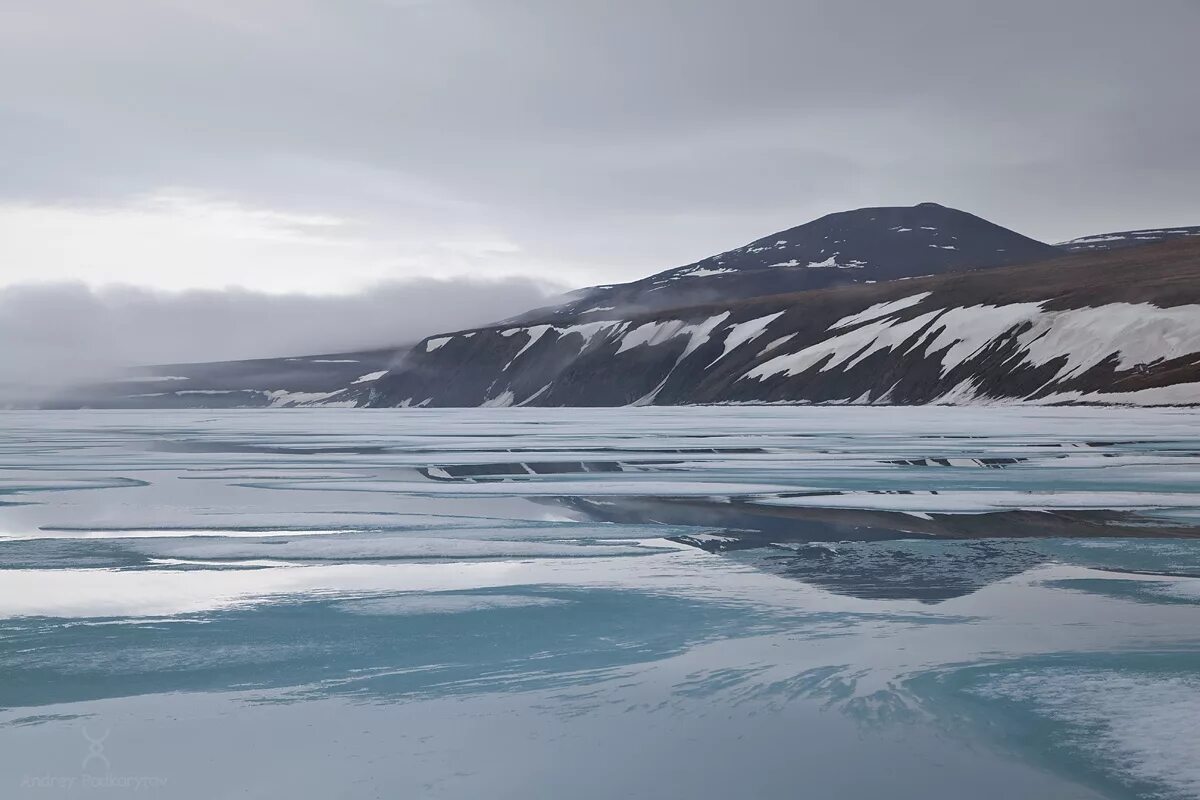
{"points": [[58, 335], [639, 602]]}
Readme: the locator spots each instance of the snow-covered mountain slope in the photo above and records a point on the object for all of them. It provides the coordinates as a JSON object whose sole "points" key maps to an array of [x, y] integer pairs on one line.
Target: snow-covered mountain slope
{"points": [[1109, 327], [1120, 239], [265, 382], [868, 245]]}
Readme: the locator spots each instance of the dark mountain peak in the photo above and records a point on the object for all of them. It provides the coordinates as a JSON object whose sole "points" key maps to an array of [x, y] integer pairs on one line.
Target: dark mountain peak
{"points": [[864, 245], [887, 221], [880, 243], [896, 239]]}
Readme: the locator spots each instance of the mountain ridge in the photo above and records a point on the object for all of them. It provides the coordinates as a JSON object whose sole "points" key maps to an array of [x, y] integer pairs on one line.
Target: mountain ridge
{"points": [[865, 245], [681, 355], [638, 350]]}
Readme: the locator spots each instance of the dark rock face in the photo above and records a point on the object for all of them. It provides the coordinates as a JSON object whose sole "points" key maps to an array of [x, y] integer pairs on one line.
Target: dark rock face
{"points": [[1122, 239], [1120, 326], [868, 245]]}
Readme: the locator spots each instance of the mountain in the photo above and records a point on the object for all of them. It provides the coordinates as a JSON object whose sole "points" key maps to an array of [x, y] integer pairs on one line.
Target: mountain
{"points": [[904, 305], [1120, 239], [1120, 326], [868, 245], [263, 382]]}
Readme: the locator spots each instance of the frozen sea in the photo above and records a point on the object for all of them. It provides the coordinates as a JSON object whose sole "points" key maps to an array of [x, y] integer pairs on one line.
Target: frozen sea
{"points": [[735, 602]]}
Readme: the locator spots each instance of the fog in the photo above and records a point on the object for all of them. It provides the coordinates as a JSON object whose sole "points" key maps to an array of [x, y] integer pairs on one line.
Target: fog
{"points": [[57, 334]]}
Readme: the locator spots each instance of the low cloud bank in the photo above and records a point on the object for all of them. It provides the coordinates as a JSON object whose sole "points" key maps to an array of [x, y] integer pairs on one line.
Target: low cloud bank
{"points": [[59, 334]]}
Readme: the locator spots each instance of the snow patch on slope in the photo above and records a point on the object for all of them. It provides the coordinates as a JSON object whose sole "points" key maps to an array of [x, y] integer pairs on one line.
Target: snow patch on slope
{"points": [[879, 310], [535, 333], [650, 333], [848, 348], [282, 398], [742, 332], [660, 331], [1134, 334]]}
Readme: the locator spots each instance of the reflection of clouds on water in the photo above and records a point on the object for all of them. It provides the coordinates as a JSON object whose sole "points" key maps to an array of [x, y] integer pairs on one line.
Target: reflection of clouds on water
{"points": [[1143, 724], [442, 603], [1126, 717]]}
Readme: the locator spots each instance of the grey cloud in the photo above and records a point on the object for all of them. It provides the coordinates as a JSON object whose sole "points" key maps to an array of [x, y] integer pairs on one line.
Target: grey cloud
{"points": [[56, 334], [615, 134]]}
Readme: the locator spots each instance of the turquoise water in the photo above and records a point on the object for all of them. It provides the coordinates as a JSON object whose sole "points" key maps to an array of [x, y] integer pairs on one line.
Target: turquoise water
{"points": [[688, 602]]}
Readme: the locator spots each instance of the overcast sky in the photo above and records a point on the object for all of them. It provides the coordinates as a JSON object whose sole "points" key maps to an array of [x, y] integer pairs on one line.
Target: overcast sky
{"points": [[323, 146]]}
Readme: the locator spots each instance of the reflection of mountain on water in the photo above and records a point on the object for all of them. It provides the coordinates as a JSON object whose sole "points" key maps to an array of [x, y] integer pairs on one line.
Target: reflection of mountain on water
{"points": [[754, 525], [899, 570], [873, 554]]}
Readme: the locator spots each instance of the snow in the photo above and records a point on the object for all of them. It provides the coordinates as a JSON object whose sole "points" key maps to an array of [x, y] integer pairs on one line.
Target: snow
{"points": [[829, 263], [1130, 334], [700, 333], [589, 331], [502, 400], [880, 310], [660, 331], [535, 333], [152, 378], [1179, 394], [650, 333], [434, 344], [370, 376], [536, 394], [649, 396], [966, 331], [702, 272], [743, 332], [1096, 239], [1139, 332], [333, 361], [280, 398], [710, 537], [965, 391], [846, 349], [776, 343], [1136, 333]]}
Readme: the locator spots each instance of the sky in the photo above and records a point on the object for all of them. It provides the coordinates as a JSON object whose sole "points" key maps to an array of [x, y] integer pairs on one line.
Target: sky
{"points": [[327, 152]]}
